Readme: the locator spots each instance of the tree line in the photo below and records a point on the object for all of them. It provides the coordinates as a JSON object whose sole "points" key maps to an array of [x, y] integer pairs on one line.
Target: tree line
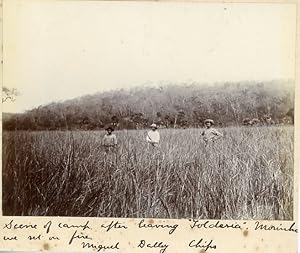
{"points": [[172, 105]]}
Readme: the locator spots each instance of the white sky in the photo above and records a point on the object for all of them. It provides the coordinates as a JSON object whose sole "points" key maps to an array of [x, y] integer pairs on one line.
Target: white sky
{"points": [[56, 50]]}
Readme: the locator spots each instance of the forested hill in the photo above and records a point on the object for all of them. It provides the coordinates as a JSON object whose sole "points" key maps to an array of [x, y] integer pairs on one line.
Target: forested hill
{"points": [[172, 105]]}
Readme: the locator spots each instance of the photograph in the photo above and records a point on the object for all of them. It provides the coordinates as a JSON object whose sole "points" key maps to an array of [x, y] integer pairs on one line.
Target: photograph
{"points": [[171, 110]]}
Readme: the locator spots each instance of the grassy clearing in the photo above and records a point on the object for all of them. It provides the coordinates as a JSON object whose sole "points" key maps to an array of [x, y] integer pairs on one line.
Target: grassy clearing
{"points": [[247, 175]]}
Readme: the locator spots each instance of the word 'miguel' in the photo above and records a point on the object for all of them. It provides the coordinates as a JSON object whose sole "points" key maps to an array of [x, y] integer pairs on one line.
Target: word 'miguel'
{"points": [[99, 247]]}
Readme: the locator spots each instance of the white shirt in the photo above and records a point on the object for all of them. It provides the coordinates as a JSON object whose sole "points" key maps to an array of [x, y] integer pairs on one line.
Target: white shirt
{"points": [[211, 134], [153, 136], [109, 140]]}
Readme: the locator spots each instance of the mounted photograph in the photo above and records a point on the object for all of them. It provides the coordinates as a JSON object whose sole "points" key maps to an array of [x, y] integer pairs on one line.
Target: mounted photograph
{"points": [[148, 110]]}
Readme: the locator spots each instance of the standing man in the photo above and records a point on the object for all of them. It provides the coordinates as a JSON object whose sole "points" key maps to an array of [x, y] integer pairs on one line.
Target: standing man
{"points": [[210, 134], [109, 141], [153, 136]]}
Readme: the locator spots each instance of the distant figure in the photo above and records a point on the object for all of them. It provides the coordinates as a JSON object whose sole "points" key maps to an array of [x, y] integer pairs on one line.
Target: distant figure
{"points": [[268, 120], [255, 122], [153, 136], [251, 122], [247, 122], [210, 134], [109, 141]]}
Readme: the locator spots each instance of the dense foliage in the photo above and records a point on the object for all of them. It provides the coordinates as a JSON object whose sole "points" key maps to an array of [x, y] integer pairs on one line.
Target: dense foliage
{"points": [[170, 105]]}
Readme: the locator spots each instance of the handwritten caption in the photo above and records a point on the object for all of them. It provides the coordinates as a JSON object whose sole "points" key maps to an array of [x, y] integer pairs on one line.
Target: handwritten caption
{"points": [[87, 234]]}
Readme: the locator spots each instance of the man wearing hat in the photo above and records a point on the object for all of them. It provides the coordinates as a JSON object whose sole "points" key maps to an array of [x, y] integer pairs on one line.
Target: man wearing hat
{"points": [[109, 141], [210, 134], [153, 136]]}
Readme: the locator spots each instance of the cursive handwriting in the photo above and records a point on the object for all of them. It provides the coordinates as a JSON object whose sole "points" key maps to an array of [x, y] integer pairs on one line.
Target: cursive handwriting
{"points": [[79, 236], [99, 247], [12, 225], [267, 227], [83, 226], [156, 245], [80, 232], [213, 224], [8, 238], [34, 237], [61, 225], [202, 244], [114, 225], [171, 228]]}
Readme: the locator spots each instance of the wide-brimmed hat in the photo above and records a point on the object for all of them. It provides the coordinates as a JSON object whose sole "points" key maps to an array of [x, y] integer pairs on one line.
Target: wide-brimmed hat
{"points": [[109, 128], [209, 121], [153, 126]]}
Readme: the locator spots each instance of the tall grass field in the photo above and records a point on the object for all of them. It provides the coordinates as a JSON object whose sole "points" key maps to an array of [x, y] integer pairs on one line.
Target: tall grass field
{"points": [[248, 174]]}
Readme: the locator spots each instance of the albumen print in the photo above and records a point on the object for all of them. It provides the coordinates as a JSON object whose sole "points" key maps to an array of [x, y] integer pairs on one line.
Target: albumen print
{"points": [[122, 109]]}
